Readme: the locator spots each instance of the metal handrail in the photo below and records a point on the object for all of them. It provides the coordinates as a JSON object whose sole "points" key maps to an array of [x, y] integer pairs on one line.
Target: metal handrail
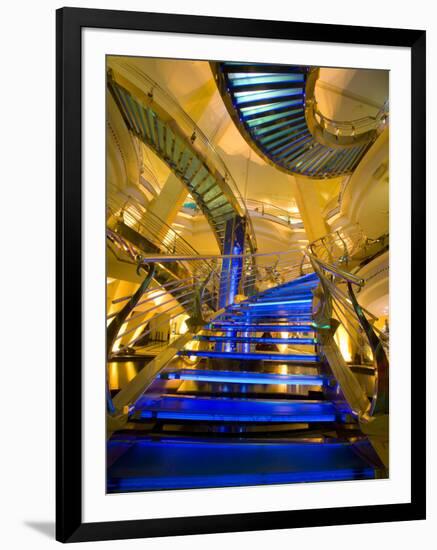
{"points": [[283, 266], [341, 133], [354, 318], [152, 227], [265, 210], [351, 127], [275, 212]]}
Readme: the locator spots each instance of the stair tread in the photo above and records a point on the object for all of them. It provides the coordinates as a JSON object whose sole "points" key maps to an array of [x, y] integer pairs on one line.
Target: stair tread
{"points": [[256, 340], [261, 356], [232, 409], [244, 377], [174, 463], [271, 327]]}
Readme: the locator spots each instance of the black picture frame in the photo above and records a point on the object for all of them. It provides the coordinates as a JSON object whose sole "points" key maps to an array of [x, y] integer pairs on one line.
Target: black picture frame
{"points": [[70, 22]]}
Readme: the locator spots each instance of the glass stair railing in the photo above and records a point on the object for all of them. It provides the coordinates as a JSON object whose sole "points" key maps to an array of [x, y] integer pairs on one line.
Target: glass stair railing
{"points": [[274, 108], [135, 223]]}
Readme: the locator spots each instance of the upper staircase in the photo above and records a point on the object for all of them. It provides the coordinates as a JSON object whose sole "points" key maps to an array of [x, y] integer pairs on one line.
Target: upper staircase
{"points": [[154, 118], [275, 110]]}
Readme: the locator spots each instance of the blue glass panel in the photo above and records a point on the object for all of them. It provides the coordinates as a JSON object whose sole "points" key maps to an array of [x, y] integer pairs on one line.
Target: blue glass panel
{"points": [[271, 118], [248, 111], [260, 356], [281, 302], [245, 377], [196, 482], [233, 409], [257, 340], [263, 327], [246, 97], [176, 463], [251, 79], [288, 131], [265, 129]]}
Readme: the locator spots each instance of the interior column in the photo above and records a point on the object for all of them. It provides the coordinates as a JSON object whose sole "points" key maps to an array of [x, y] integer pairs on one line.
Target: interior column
{"points": [[309, 207]]}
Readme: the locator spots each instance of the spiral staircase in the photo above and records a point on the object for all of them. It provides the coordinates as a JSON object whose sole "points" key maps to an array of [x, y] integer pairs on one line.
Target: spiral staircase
{"points": [[256, 390], [275, 110]]}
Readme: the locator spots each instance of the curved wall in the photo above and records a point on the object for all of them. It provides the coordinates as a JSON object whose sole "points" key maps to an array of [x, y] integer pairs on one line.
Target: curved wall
{"points": [[365, 198], [375, 294]]}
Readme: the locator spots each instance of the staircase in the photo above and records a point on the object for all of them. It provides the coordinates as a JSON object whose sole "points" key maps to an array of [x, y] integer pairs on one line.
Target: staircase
{"points": [[190, 156], [253, 403], [274, 108]]}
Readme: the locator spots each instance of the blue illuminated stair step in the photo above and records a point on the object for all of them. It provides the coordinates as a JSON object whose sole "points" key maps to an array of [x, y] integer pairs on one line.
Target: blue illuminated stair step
{"points": [[280, 317], [255, 340], [260, 356], [181, 463], [243, 377], [223, 409], [277, 300], [268, 312], [272, 304], [262, 327]]}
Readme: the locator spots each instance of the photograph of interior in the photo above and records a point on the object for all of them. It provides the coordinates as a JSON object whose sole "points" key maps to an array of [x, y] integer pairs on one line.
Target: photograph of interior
{"points": [[247, 233]]}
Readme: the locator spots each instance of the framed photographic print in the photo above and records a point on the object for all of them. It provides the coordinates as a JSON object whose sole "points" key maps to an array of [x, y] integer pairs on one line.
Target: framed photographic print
{"points": [[240, 242]]}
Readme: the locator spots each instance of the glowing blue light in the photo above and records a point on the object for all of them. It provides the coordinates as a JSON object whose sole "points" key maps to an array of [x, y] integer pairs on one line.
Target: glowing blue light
{"points": [[259, 356], [245, 377], [282, 303], [261, 328], [267, 129], [248, 111], [257, 340], [234, 480], [241, 79], [272, 117], [247, 97]]}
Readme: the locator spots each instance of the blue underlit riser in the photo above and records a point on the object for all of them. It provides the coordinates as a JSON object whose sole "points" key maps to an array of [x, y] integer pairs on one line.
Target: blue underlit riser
{"points": [[197, 482], [196, 464], [247, 356], [233, 409], [257, 340], [230, 377]]}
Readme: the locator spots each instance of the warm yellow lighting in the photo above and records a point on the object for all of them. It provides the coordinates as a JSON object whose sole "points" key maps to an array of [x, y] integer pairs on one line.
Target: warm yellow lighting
{"points": [[343, 341], [282, 388], [131, 371], [192, 359], [113, 379], [183, 328], [283, 369], [283, 347]]}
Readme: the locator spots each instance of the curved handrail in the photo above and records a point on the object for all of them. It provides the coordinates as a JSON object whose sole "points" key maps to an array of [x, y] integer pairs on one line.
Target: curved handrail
{"points": [[127, 208], [274, 213], [200, 292], [345, 307], [163, 98], [265, 210], [341, 132], [380, 396]]}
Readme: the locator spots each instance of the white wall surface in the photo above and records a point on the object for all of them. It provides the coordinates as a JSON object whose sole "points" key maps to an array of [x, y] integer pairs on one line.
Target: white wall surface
{"points": [[28, 214]]}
